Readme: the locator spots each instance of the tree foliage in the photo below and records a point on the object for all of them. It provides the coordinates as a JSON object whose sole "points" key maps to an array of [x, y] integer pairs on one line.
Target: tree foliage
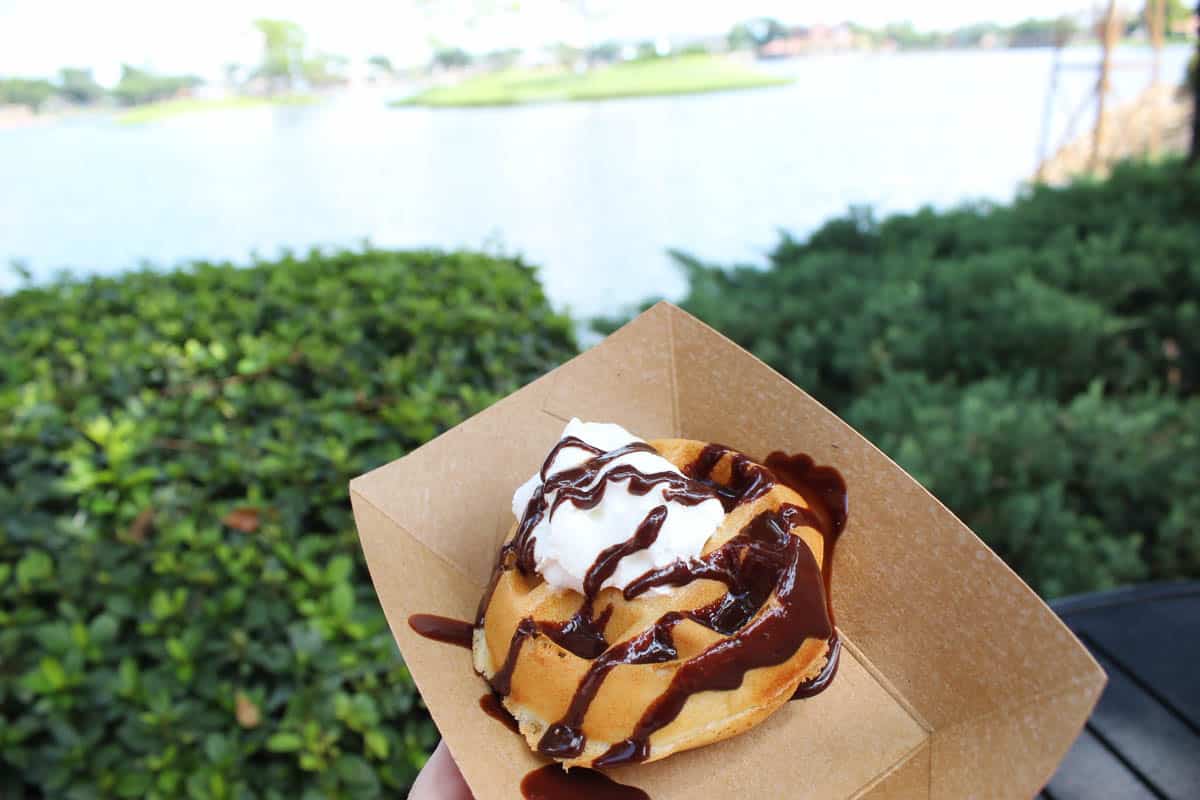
{"points": [[29, 92], [451, 58], [284, 46], [138, 86], [1042, 32], [382, 64], [324, 69], [755, 32], [78, 86], [1175, 13], [183, 608]]}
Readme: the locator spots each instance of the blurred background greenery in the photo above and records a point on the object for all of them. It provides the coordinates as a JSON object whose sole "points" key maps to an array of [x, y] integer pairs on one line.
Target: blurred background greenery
{"points": [[184, 610]]}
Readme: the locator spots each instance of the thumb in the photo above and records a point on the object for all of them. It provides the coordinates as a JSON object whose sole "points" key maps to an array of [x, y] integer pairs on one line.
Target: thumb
{"points": [[440, 779]]}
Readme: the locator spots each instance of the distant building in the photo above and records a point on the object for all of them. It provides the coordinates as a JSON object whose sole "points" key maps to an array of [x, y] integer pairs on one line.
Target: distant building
{"points": [[1186, 27], [803, 39]]}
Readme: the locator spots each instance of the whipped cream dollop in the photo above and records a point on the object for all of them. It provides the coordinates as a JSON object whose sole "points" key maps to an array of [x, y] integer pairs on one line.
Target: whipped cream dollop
{"points": [[568, 542]]}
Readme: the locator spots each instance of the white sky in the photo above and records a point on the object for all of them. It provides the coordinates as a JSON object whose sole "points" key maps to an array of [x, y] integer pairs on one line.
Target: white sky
{"points": [[37, 37]]}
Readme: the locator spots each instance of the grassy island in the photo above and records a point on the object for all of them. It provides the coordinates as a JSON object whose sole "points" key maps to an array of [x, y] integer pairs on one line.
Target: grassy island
{"points": [[661, 76], [165, 109]]}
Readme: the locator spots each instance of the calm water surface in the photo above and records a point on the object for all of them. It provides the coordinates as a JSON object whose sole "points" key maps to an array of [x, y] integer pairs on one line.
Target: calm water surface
{"points": [[595, 193]]}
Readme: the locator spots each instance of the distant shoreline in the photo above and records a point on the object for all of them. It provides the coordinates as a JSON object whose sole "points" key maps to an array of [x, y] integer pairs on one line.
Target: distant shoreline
{"points": [[165, 109], [19, 117], [682, 75]]}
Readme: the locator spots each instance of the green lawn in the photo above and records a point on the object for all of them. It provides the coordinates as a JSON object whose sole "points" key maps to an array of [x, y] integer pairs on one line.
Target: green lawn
{"points": [[153, 112], [682, 75]]}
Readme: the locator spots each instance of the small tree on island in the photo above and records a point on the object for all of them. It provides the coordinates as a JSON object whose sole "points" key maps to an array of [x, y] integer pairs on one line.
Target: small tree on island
{"points": [[78, 86], [286, 64], [138, 86], [754, 33], [381, 64], [283, 53]]}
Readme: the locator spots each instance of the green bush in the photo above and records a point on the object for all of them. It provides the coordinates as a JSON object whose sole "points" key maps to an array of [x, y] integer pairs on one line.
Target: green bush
{"points": [[183, 608], [1035, 365]]}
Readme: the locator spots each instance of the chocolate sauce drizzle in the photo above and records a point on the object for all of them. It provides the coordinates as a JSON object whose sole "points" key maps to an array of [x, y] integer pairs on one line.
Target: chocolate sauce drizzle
{"points": [[748, 481], [491, 705], [443, 629], [584, 487], [565, 739], [583, 633], [777, 598], [552, 782], [750, 565], [763, 558], [824, 489], [501, 680], [820, 682], [579, 487], [769, 638], [821, 487]]}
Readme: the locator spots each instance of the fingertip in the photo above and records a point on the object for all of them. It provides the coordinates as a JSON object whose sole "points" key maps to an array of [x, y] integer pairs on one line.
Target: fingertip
{"points": [[440, 779]]}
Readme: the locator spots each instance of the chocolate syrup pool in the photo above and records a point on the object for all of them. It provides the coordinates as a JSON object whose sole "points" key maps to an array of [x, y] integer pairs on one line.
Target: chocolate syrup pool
{"points": [[763, 558], [552, 782]]}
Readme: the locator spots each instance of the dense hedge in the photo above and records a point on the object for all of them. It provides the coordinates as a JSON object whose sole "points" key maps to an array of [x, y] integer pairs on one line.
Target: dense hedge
{"points": [[183, 607], [1035, 365]]}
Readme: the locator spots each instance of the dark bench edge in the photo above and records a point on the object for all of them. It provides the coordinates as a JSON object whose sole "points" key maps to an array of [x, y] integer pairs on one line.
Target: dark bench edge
{"points": [[1123, 596]]}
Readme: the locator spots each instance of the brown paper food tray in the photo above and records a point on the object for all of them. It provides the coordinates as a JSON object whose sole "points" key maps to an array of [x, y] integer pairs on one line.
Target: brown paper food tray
{"points": [[956, 680]]}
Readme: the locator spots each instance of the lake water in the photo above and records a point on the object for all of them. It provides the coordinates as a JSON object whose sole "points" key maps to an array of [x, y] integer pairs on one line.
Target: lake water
{"points": [[595, 193]]}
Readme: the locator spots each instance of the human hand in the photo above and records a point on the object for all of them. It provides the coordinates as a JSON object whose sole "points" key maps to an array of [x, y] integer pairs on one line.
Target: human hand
{"points": [[440, 779]]}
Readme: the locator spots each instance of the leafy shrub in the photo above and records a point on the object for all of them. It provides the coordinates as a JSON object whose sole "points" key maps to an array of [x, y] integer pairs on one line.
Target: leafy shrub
{"points": [[183, 608], [1035, 365]]}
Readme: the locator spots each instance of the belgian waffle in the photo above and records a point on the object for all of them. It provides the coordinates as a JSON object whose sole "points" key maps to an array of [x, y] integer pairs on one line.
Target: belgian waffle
{"points": [[611, 677]]}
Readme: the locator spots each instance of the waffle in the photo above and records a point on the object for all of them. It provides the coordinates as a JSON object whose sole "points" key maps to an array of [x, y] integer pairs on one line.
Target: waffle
{"points": [[629, 716]]}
